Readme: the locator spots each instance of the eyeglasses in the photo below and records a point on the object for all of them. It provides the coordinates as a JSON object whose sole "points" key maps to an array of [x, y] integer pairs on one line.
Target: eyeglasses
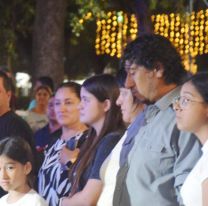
{"points": [[183, 102]]}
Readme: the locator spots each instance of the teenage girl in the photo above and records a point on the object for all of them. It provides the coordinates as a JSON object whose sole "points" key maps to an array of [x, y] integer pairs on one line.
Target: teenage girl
{"points": [[192, 115], [99, 111]]}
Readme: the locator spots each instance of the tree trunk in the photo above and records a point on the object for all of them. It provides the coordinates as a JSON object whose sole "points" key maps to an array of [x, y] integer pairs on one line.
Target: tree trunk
{"points": [[48, 39], [143, 17]]}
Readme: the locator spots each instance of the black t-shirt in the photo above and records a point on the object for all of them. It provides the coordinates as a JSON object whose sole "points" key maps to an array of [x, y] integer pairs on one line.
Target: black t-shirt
{"points": [[103, 149], [13, 125]]}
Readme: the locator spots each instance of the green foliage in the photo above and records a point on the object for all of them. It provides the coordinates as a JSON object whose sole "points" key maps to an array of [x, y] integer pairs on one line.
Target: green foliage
{"points": [[87, 10], [79, 17], [16, 19]]}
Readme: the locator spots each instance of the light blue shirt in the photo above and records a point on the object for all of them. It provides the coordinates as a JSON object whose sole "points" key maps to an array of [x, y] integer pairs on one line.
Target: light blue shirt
{"points": [[161, 157], [32, 104]]}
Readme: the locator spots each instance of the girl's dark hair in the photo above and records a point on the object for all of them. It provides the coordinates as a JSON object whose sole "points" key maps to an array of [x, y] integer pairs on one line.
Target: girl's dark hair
{"points": [[103, 87], [200, 82], [75, 87], [17, 149]]}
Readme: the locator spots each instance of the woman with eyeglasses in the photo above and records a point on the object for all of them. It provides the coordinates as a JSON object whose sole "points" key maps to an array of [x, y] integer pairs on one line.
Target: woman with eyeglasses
{"points": [[192, 115]]}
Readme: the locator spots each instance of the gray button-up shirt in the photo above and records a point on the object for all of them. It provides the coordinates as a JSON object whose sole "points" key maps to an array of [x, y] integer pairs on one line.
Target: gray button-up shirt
{"points": [[160, 159]]}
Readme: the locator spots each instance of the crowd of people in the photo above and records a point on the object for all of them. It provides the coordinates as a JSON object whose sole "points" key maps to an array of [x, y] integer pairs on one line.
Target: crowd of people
{"points": [[139, 138]]}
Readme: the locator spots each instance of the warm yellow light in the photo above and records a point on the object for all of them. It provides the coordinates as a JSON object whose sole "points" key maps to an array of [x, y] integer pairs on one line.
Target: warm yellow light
{"points": [[98, 23], [181, 41], [115, 23], [107, 51], [88, 15], [81, 21], [114, 18], [113, 45], [109, 21], [113, 39], [189, 35], [109, 14]]}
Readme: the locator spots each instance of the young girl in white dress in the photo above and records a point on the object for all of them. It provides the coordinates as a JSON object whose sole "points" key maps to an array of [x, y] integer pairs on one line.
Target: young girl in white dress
{"points": [[16, 173], [192, 115]]}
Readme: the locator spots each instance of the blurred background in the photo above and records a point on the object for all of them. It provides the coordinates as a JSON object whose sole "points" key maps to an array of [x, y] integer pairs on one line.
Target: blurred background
{"points": [[73, 39]]}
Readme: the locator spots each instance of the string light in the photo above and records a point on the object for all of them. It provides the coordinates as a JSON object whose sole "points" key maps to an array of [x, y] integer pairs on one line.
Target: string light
{"points": [[189, 33]]}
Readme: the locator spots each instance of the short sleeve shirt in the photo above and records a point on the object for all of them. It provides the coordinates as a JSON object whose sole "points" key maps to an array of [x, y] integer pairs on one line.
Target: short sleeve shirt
{"points": [[103, 150], [191, 190], [108, 174], [31, 198]]}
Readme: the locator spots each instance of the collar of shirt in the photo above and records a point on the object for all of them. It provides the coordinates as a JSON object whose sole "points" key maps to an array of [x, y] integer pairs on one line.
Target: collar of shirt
{"points": [[167, 100], [162, 104]]}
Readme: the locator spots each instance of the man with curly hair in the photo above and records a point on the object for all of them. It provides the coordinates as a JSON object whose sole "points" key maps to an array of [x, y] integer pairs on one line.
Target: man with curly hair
{"points": [[162, 156]]}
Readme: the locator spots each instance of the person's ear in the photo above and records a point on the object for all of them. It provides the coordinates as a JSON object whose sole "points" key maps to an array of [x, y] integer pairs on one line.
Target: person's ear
{"points": [[159, 73], [27, 168], [159, 70], [9, 94], [107, 105]]}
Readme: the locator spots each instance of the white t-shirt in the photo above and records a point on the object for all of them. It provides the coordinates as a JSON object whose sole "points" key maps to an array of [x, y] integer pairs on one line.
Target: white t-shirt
{"points": [[108, 173], [32, 198], [35, 120], [191, 190]]}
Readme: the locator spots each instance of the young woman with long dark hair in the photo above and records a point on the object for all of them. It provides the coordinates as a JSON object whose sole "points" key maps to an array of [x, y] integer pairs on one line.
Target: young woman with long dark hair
{"points": [[98, 109]]}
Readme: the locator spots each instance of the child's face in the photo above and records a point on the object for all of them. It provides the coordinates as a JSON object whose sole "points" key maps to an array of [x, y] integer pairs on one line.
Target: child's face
{"points": [[191, 110], [13, 175]]}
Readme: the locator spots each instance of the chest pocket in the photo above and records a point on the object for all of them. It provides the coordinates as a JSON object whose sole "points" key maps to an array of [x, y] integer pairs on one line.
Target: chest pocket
{"points": [[158, 158], [158, 148], [157, 152]]}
